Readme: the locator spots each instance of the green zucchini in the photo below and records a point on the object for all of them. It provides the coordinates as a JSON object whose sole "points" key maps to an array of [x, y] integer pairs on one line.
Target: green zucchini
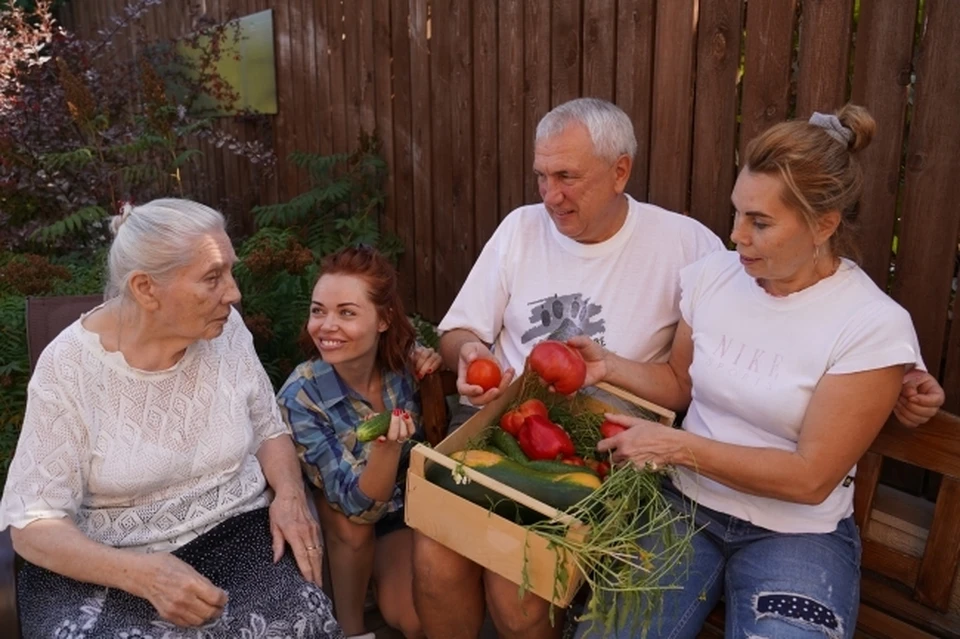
{"points": [[505, 442], [376, 426], [547, 466], [555, 489]]}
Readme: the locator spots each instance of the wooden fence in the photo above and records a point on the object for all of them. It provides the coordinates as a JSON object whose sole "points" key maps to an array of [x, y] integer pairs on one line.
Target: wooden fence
{"points": [[454, 89]]}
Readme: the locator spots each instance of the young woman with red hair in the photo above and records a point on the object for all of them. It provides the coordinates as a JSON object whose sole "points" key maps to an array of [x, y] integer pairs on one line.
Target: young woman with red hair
{"points": [[365, 361]]}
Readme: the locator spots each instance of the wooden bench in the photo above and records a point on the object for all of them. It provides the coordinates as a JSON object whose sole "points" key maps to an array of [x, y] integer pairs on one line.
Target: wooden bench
{"points": [[910, 547]]}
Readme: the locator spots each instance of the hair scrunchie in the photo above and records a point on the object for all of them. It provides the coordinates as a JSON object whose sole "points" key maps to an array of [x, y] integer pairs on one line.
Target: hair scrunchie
{"points": [[832, 125]]}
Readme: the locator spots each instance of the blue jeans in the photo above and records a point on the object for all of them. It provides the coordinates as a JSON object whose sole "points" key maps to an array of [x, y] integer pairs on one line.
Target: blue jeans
{"points": [[776, 585]]}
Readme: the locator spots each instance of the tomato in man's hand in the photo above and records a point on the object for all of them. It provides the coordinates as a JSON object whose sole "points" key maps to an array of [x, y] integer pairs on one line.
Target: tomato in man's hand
{"points": [[609, 429], [484, 372], [558, 365]]}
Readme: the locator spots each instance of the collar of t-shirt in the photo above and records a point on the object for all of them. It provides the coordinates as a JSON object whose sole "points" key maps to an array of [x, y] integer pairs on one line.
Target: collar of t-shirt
{"points": [[601, 249]]}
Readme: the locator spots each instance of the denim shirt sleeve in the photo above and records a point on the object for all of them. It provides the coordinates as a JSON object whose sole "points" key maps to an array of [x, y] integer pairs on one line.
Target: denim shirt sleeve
{"points": [[326, 462]]}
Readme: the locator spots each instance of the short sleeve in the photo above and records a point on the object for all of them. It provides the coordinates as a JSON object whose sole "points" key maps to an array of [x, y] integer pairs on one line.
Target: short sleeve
{"points": [[265, 416], [880, 335], [691, 277], [46, 476], [482, 300]]}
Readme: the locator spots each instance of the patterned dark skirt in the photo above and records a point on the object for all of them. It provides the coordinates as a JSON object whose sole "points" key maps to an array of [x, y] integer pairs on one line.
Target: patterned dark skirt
{"points": [[266, 600]]}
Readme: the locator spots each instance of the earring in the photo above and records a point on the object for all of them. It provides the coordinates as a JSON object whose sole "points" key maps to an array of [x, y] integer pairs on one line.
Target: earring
{"points": [[816, 254]]}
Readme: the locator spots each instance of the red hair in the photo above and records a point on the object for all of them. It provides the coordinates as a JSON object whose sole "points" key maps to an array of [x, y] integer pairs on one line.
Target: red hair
{"points": [[377, 272]]}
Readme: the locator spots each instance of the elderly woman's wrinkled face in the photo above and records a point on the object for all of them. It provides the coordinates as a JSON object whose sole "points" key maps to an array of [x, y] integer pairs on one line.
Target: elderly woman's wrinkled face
{"points": [[196, 302], [344, 324]]}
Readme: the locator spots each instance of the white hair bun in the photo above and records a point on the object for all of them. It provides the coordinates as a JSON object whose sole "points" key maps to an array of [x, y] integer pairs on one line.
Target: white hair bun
{"points": [[117, 220]]}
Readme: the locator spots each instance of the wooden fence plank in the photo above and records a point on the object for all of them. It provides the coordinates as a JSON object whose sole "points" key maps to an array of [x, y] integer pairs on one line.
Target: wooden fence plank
{"points": [[715, 114], [367, 104], [322, 35], [670, 144], [486, 160], [599, 41], [930, 216], [511, 154], [881, 75], [564, 51], [353, 72], [458, 258], [383, 90], [338, 90], [422, 156], [634, 86], [442, 70], [536, 81], [766, 75], [313, 114], [404, 154], [284, 127], [824, 56]]}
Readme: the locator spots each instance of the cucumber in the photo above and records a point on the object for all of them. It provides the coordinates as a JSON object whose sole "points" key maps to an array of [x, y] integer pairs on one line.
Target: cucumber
{"points": [[376, 426], [560, 490], [505, 442]]}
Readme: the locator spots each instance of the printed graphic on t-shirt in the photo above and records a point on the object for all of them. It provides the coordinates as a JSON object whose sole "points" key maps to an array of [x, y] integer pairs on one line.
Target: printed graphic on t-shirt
{"points": [[560, 317], [748, 363]]}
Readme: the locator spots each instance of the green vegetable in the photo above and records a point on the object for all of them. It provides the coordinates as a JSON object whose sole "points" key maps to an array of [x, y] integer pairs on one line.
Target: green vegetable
{"points": [[546, 466], [505, 442], [376, 426], [558, 490]]}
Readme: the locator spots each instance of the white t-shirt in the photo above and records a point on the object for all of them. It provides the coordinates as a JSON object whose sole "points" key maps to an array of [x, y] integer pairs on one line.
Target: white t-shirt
{"points": [[532, 283], [142, 460], [757, 360]]}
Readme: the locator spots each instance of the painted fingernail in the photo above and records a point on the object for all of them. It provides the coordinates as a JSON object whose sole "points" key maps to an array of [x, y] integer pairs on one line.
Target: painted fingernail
{"points": [[396, 412]]}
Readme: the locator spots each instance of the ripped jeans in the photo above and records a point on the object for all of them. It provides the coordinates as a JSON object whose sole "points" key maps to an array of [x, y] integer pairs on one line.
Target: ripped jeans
{"points": [[776, 585]]}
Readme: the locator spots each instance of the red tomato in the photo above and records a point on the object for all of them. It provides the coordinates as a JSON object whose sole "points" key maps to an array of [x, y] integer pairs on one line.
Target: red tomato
{"points": [[609, 429], [574, 461], [603, 469], [512, 421], [559, 365], [483, 372]]}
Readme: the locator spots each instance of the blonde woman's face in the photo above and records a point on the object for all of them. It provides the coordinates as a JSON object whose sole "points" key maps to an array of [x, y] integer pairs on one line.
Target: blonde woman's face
{"points": [[196, 302]]}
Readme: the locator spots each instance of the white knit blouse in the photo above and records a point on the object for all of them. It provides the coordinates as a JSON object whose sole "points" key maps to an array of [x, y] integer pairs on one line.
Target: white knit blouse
{"points": [[137, 459]]}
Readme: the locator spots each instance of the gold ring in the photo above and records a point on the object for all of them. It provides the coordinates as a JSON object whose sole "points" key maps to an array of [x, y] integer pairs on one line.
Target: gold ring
{"points": [[652, 466], [309, 548]]}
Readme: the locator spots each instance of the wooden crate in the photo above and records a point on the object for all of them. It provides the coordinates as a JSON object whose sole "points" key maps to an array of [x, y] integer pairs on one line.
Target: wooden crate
{"points": [[473, 531]]}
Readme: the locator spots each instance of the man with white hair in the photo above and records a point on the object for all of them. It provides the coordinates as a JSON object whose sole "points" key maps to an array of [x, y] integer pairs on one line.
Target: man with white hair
{"points": [[588, 260]]}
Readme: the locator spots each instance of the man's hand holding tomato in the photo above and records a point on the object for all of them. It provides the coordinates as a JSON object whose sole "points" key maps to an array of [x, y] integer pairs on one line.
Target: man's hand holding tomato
{"points": [[598, 359], [644, 443], [470, 351]]}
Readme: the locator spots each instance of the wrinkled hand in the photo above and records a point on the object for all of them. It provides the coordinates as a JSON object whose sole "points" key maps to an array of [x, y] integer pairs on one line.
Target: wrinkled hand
{"points": [[401, 428], [920, 398], [596, 357], [180, 594], [424, 360], [291, 523], [645, 444], [475, 394]]}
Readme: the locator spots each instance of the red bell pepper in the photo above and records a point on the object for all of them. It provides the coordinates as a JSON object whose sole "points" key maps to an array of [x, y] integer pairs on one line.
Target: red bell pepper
{"points": [[542, 439], [512, 420]]}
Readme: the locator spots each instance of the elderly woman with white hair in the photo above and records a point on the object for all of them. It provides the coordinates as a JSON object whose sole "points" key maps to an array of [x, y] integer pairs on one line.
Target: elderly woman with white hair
{"points": [[155, 490]]}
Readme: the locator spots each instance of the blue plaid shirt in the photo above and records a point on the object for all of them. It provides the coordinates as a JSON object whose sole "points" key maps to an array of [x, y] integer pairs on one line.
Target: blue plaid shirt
{"points": [[323, 413]]}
